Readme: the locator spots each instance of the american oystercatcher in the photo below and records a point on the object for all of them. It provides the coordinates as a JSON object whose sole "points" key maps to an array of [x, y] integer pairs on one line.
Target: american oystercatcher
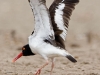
{"points": [[50, 31]]}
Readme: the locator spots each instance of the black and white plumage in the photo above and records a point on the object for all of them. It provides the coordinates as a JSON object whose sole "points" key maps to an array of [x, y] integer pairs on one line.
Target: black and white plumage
{"points": [[50, 31], [60, 12]]}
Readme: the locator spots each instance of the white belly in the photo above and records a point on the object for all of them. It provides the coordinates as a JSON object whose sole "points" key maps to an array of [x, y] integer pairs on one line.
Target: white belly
{"points": [[38, 46]]}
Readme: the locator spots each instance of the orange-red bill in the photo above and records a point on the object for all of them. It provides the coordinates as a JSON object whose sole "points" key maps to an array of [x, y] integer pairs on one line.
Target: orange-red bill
{"points": [[18, 56]]}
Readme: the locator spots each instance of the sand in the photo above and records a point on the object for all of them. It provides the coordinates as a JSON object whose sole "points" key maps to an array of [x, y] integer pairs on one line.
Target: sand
{"points": [[82, 41]]}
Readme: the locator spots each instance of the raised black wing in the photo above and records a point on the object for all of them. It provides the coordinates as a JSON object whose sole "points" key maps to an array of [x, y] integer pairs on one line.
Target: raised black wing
{"points": [[60, 12]]}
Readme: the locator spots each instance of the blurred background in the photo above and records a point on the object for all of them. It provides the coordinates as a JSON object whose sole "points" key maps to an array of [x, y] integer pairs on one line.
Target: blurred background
{"points": [[83, 39]]}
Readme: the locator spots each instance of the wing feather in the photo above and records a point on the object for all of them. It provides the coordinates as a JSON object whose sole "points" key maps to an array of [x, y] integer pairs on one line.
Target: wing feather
{"points": [[43, 25], [60, 12]]}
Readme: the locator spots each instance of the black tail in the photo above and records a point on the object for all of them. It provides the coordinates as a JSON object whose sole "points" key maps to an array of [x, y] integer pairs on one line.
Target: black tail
{"points": [[71, 58]]}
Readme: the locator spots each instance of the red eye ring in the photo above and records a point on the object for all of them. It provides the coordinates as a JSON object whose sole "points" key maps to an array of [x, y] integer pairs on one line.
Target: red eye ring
{"points": [[23, 48]]}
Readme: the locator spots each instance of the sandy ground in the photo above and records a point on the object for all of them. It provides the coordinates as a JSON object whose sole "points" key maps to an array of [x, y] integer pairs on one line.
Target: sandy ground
{"points": [[83, 40]]}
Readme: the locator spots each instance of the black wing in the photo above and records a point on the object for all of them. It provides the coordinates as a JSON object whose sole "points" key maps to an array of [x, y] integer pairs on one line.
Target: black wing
{"points": [[60, 12]]}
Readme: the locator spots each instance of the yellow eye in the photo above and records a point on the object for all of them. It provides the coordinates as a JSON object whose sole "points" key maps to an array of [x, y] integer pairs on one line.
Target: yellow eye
{"points": [[23, 48]]}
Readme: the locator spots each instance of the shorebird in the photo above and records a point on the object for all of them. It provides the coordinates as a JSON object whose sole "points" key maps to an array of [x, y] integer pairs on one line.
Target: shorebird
{"points": [[51, 26]]}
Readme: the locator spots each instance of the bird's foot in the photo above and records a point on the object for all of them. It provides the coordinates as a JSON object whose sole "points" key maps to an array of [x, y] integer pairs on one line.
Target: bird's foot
{"points": [[38, 72]]}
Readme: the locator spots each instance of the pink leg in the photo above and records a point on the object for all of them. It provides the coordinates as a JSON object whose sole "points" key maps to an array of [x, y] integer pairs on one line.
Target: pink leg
{"points": [[52, 66], [39, 70]]}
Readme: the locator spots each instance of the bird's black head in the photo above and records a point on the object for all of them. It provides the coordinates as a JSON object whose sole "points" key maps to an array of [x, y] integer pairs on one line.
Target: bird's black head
{"points": [[27, 51]]}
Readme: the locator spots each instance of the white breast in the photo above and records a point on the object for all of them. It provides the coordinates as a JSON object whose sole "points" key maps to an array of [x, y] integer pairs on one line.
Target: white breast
{"points": [[34, 43]]}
